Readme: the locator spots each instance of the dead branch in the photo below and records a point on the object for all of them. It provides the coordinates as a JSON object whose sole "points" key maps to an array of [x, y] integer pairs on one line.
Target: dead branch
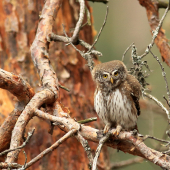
{"points": [[107, 10], [51, 148], [158, 103], [39, 48], [22, 146], [16, 85], [8, 125], [99, 147], [164, 75], [87, 120], [39, 98], [24, 92], [127, 141], [74, 38], [153, 18], [87, 149], [121, 164]]}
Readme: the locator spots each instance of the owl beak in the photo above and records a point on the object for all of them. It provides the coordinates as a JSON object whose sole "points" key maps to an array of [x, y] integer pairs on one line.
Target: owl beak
{"points": [[111, 80]]}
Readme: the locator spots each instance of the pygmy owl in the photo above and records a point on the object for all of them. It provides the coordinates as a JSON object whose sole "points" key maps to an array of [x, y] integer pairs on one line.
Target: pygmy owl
{"points": [[116, 98]]}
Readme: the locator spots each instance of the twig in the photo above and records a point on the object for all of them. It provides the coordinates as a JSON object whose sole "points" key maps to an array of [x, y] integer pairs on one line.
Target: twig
{"points": [[86, 55], [107, 10], [126, 51], [166, 101], [87, 120], [158, 103], [155, 33], [157, 139], [98, 150], [162, 4], [121, 164], [63, 87], [54, 37], [104, 1], [163, 74], [88, 46], [51, 148], [23, 145], [74, 38], [87, 149], [25, 160]]}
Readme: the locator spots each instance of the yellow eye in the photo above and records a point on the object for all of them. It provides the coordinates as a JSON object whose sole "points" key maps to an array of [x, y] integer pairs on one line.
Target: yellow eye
{"points": [[116, 73], [105, 75]]}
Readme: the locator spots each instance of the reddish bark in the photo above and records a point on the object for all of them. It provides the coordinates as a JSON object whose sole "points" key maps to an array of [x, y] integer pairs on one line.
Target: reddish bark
{"points": [[152, 10], [69, 66]]}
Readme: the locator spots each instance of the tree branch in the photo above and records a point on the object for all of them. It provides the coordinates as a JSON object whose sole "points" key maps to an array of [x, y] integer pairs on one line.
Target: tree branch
{"points": [[51, 148], [160, 40]]}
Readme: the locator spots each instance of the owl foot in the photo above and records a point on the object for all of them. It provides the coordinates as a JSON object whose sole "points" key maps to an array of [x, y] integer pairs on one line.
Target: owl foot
{"points": [[117, 131], [107, 127]]}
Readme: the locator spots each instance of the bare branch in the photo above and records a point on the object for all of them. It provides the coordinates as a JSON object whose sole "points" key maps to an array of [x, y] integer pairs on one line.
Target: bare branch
{"points": [[74, 38], [51, 148], [107, 10], [126, 51], [155, 33], [160, 39], [87, 149], [87, 120], [16, 85], [158, 103], [121, 164], [98, 150], [127, 141], [163, 74], [26, 115], [86, 45], [22, 146]]}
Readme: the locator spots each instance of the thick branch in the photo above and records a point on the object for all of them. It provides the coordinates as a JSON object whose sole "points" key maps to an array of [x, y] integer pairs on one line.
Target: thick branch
{"points": [[127, 141], [39, 48], [16, 85]]}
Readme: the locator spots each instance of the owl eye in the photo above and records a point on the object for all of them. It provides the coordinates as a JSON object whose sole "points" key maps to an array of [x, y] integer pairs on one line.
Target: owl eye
{"points": [[116, 73], [105, 75]]}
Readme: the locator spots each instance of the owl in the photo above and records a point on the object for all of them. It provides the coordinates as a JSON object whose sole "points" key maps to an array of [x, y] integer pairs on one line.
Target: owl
{"points": [[116, 98]]}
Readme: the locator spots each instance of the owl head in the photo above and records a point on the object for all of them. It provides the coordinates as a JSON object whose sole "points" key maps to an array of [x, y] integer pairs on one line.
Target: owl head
{"points": [[110, 74]]}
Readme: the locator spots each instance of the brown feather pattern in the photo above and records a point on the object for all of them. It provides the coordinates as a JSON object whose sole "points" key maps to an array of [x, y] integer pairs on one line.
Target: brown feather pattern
{"points": [[117, 102]]}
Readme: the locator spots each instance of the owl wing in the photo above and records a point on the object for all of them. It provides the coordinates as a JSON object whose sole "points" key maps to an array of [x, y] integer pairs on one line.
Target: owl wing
{"points": [[135, 90]]}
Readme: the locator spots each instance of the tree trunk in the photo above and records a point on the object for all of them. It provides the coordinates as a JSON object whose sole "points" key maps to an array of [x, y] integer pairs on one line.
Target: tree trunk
{"points": [[18, 25]]}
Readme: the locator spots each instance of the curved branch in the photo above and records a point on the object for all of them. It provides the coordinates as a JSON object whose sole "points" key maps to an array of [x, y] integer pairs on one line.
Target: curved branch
{"points": [[23, 120], [39, 48], [24, 92], [74, 38], [16, 85]]}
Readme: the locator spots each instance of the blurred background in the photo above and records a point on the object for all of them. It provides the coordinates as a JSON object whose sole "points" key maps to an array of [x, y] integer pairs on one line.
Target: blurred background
{"points": [[127, 23]]}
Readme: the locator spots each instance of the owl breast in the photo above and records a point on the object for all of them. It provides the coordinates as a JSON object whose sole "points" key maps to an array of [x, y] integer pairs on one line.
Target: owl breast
{"points": [[116, 109]]}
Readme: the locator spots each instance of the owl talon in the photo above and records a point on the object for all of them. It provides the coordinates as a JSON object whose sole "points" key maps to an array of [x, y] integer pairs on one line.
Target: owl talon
{"points": [[117, 131], [107, 128]]}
